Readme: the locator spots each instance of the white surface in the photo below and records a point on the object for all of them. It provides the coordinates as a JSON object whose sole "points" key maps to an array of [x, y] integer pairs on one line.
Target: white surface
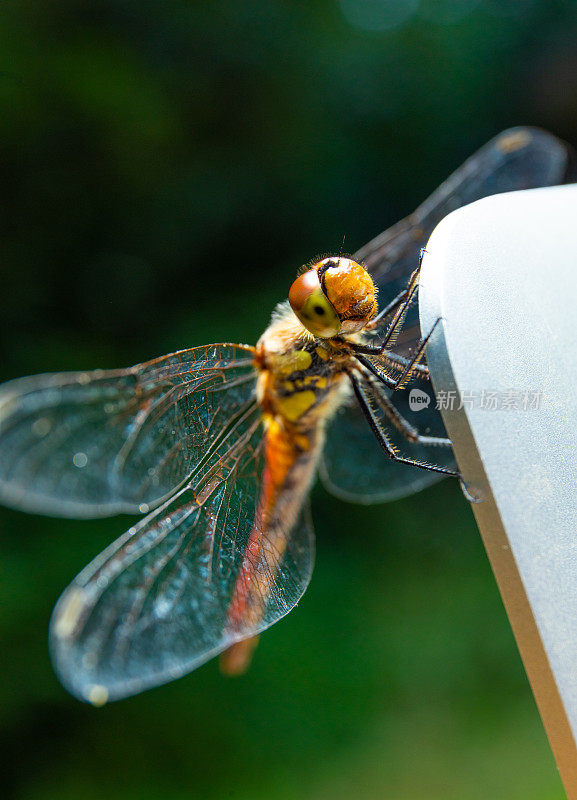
{"points": [[502, 274]]}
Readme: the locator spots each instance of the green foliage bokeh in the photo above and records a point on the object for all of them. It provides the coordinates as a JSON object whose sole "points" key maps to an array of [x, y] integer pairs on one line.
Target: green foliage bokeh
{"points": [[165, 169]]}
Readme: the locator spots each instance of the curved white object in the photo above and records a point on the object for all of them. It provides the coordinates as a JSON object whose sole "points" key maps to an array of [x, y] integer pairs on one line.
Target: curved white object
{"points": [[502, 275]]}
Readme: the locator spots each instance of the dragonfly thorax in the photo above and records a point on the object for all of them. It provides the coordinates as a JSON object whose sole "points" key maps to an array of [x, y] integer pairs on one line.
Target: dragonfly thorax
{"points": [[334, 295]]}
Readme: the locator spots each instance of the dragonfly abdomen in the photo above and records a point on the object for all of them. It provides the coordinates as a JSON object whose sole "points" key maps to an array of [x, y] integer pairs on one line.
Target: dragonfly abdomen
{"points": [[299, 383]]}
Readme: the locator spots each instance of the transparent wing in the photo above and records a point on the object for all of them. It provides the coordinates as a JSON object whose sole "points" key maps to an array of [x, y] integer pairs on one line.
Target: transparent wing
{"points": [[156, 604], [519, 158], [98, 443]]}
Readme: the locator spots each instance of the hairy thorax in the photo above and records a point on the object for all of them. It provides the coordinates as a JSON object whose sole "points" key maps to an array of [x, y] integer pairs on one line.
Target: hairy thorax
{"points": [[301, 378]]}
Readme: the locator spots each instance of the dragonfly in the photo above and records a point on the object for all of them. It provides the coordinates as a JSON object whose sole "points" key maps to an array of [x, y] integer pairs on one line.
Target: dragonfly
{"points": [[217, 446]]}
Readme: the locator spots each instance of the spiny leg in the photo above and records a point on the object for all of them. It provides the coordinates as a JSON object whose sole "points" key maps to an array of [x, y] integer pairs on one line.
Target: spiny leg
{"points": [[404, 426], [396, 323], [402, 365], [413, 362], [393, 305], [374, 369], [401, 303], [381, 436], [389, 449], [409, 366], [398, 361]]}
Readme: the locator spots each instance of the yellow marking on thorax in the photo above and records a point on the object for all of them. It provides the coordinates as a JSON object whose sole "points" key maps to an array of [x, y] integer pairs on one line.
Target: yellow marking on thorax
{"points": [[295, 405], [316, 380], [284, 364], [322, 353]]}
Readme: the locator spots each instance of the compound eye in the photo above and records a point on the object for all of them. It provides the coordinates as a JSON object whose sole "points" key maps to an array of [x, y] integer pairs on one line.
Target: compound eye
{"points": [[312, 307]]}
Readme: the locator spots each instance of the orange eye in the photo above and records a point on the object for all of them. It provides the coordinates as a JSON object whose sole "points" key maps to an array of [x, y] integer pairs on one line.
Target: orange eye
{"points": [[312, 307]]}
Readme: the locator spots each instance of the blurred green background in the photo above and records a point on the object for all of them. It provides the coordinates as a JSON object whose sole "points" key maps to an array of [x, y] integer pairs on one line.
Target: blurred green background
{"points": [[165, 169]]}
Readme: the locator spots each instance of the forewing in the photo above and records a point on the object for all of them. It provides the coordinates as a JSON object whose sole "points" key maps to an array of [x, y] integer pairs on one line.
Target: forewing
{"points": [[155, 604], [98, 443], [520, 158]]}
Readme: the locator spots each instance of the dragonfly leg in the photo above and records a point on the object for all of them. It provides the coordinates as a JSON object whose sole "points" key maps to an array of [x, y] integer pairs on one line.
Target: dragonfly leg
{"points": [[404, 426], [413, 362], [401, 362], [392, 306], [381, 435], [402, 303], [407, 367], [381, 376], [400, 298]]}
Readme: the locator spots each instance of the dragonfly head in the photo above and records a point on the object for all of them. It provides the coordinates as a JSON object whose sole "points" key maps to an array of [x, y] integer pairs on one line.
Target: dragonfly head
{"points": [[335, 295]]}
